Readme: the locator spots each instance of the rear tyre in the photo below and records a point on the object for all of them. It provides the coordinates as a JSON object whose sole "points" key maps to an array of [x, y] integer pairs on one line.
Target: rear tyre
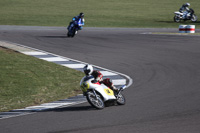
{"points": [[194, 18], [121, 99]]}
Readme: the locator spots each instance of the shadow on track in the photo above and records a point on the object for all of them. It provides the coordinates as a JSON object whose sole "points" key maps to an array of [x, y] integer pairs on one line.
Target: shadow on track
{"points": [[77, 108], [54, 36]]}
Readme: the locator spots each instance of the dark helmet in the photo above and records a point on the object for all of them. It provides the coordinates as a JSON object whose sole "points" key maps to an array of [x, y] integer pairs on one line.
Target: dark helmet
{"points": [[81, 14]]}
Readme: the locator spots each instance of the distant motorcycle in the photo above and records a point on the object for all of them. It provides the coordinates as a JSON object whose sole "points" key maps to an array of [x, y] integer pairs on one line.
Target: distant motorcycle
{"points": [[187, 15], [99, 95]]}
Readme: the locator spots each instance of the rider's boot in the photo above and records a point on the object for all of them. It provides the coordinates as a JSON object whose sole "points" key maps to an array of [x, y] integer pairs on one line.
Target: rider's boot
{"points": [[115, 90]]}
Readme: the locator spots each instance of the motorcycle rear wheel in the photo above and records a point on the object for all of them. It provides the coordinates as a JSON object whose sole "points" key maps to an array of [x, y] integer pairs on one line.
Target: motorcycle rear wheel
{"points": [[194, 18], [121, 99], [95, 102]]}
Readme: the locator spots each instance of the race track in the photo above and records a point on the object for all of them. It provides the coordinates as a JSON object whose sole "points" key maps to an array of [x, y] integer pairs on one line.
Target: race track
{"points": [[164, 97]]}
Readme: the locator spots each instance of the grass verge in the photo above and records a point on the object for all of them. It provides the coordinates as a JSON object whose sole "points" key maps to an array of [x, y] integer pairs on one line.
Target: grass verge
{"points": [[98, 13], [26, 81]]}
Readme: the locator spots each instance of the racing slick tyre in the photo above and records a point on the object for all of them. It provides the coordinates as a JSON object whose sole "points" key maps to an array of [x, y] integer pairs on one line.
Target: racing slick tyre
{"points": [[177, 19], [95, 102], [121, 99], [194, 18]]}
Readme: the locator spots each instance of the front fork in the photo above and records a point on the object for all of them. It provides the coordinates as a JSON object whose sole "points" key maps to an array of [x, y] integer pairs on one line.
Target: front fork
{"points": [[94, 93]]}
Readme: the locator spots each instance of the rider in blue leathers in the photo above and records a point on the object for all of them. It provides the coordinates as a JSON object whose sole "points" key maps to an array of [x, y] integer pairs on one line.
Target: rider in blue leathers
{"points": [[79, 21]]}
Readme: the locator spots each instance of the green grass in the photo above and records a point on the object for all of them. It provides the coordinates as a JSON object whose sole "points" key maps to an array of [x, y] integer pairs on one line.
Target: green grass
{"points": [[26, 81], [98, 13]]}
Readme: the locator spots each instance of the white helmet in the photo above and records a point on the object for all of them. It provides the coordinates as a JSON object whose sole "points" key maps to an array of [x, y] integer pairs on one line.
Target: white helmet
{"points": [[88, 69], [187, 4]]}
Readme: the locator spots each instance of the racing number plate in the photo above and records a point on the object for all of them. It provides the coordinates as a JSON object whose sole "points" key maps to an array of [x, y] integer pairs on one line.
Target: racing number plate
{"points": [[109, 91]]}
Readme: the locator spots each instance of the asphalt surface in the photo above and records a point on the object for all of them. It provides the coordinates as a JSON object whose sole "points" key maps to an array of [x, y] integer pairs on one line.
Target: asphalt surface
{"points": [[164, 97]]}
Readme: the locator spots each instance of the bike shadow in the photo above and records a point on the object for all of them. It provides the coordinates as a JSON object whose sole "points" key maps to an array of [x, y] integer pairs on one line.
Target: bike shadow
{"points": [[54, 36], [75, 108], [165, 21]]}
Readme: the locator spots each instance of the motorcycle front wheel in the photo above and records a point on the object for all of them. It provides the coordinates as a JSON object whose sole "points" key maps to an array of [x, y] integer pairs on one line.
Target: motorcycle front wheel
{"points": [[177, 19], [71, 32], [68, 34], [96, 102]]}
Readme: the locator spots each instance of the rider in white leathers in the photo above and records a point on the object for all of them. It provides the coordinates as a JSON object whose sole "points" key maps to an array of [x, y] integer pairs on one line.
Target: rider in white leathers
{"points": [[185, 10], [90, 73]]}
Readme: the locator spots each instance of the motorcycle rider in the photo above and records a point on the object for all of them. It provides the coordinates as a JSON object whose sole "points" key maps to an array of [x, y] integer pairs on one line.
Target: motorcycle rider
{"points": [[185, 8], [88, 70], [79, 21]]}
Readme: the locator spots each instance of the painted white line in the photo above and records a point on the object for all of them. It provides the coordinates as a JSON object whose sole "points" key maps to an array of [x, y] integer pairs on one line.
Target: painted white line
{"points": [[35, 107], [50, 105], [74, 65], [54, 59], [53, 104], [106, 73], [9, 116], [22, 110], [119, 81], [34, 53]]}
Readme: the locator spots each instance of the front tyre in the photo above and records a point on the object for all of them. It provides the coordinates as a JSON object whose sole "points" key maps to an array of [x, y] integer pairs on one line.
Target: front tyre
{"points": [[177, 19], [121, 99], [95, 102]]}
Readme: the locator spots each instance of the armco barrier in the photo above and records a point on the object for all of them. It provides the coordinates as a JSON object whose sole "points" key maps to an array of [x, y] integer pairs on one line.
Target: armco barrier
{"points": [[186, 28]]}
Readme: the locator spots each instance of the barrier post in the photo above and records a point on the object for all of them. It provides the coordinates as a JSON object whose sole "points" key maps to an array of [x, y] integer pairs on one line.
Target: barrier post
{"points": [[182, 28], [190, 29]]}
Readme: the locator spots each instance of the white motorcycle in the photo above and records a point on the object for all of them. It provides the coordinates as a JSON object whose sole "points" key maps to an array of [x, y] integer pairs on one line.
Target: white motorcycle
{"points": [[99, 95], [186, 15]]}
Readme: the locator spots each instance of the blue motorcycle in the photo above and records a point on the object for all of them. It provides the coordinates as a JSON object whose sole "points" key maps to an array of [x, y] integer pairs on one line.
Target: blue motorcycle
{"points": [[73, 27]]}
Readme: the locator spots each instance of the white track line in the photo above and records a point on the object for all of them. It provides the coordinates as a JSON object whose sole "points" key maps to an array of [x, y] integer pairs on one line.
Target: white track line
{"points": [[106, 73], [54, 59], [34, 53], [74, 65], [119, 81]]}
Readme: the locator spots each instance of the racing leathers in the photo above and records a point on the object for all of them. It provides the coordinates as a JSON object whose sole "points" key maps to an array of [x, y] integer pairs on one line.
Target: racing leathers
{"points": [[185, 10], [78, 21], [98, 78]]}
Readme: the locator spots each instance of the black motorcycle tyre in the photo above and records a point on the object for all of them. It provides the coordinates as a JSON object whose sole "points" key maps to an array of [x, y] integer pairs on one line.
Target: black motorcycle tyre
{"points": [[71, 32], [177, 19], [93, 101], [194, 18], [121, 99]]}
